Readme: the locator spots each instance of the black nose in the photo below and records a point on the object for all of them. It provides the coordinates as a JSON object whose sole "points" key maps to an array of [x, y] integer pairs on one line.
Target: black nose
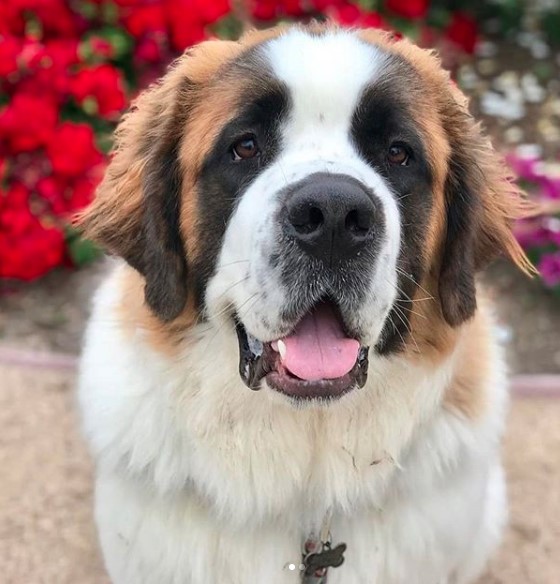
{"points": [[332, 217]]}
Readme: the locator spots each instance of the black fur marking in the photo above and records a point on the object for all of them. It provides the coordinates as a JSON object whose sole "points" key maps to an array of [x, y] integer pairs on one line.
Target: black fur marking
{"points": [[457, 289], [161, 258], [222, 180], [382, 118]]}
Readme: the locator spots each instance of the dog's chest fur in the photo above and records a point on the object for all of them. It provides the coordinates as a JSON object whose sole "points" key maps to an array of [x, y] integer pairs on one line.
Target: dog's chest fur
{"points": [[202, 480]]}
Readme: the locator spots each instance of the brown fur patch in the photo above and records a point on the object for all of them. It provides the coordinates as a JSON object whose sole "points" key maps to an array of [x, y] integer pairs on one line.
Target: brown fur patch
{"points": [[467, 393], [137, 320], [442, 115]]}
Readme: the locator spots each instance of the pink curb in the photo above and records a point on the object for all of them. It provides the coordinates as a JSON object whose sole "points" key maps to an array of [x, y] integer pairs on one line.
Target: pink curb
{"points": [[543, 385], [37, 359], [523, 386]]}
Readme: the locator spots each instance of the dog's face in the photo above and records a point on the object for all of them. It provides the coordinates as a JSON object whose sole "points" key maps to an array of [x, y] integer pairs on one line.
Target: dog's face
{"points": [[311, 188]]}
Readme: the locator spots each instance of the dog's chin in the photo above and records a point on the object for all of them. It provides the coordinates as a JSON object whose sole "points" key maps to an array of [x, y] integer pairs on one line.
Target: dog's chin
{"points": [[305, 365]]}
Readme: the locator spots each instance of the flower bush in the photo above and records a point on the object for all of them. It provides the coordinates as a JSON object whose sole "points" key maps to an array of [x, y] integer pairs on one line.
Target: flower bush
{"points": [[540, 235], [69, 67]]}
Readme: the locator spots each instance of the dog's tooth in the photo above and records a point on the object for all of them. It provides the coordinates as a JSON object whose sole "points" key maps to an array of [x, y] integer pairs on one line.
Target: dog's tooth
{"points": [[282, 349]]}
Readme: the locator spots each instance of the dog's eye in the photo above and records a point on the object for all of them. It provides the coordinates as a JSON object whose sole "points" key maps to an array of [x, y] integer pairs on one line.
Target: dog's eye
{"points": [[245, 148], [398, 154]]}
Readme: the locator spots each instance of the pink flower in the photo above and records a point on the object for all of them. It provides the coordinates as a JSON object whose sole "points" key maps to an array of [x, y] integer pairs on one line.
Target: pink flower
{"points": [[549, 268]]}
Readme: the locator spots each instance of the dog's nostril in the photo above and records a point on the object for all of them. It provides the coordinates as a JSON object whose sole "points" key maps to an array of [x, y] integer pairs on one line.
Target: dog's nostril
{"points": [[358, 223], [307, 220]]}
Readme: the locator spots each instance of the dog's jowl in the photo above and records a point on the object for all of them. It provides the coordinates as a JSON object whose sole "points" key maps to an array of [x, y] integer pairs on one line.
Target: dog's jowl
{"points": [[290, 374]]}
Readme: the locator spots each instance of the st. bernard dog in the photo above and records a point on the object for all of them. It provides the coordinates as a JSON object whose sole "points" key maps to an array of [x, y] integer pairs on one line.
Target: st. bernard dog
{"points": [[294, 354]]}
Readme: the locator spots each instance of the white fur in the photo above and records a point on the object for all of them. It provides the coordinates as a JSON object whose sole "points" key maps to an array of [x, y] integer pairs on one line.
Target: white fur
{"points": [[202, 481]]}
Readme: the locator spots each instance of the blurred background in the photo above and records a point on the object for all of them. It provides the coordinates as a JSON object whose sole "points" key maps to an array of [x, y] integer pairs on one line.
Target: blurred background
{"points": [[69, 68]]}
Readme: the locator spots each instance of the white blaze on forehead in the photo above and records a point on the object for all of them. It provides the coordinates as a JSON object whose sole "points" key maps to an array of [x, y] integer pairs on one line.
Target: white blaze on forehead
{"points": [[325, 74]]}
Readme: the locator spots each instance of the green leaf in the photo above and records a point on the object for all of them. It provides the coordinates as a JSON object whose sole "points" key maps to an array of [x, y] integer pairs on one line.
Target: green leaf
{"points": [[228, 27], [551, 25], [82, 251], [371, 5]]}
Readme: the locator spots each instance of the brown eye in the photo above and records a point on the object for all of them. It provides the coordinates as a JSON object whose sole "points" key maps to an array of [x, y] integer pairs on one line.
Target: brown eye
{"points": [[245, 148], [398, 154]]}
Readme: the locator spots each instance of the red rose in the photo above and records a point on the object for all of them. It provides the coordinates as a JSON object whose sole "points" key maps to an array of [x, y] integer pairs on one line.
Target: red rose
{"points": [[28, 249], [81, 193], [373, 20], [11, 20], [413, 9], [350, 14], [10, 48], [293, 8], [15, 216], [149, 50], [54, 191], [187, 19], [264, 9], [145, 19], [28, 122], [462, 31], [347, 14], [211, 11], [104, 84], [48, 67], [31, 255], [322, 5], [54, 15], [101, 47], [72, 150]]}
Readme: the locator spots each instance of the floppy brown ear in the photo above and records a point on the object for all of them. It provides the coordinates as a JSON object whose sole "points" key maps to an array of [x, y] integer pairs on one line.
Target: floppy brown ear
{"points": [[482, 202], [136, 211]]}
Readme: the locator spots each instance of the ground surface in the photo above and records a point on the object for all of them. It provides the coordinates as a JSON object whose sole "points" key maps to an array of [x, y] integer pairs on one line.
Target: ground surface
{"points": [[46, 530]]}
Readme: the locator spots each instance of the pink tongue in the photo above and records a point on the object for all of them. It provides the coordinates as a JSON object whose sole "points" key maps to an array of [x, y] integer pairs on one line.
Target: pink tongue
{"points": [[318, 347]]}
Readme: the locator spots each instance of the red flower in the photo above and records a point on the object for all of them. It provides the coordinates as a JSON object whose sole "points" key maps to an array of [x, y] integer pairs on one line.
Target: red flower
{"points": [[101, 47], [323, 5], [293, 8], [352, 15], [28, 249], [187, 19], [10, 48], [462, 31], [264, 9], [28, 122], [145, 19], [11, 20], [104, 84], [82, 193], [47, 67], [149, 50], [413, 9], [54, 15], [72, 150]]}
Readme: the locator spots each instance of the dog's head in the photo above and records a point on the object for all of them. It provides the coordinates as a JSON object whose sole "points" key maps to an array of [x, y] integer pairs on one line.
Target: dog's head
{"points": [[319, 190]]}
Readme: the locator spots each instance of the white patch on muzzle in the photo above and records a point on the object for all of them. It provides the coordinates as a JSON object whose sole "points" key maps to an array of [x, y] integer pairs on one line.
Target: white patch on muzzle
{"points": [[325, 76]]}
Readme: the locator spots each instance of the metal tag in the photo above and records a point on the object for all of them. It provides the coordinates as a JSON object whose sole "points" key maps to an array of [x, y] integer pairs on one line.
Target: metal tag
{"points": [[318, 558]]}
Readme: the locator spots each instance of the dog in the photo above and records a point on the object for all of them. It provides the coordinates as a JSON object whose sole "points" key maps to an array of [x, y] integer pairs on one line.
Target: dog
{"points": [[291, 373]]}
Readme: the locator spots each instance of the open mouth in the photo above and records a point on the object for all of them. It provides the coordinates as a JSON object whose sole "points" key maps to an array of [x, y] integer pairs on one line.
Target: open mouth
{"points": [[316, 360]]}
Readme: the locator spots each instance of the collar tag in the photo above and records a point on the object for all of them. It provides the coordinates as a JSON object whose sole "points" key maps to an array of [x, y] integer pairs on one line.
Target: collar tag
{"points": [[318, 557]]}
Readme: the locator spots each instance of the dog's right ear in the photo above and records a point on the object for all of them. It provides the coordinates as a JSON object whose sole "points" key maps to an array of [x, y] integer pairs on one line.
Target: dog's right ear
{"points": [[136, 211]]}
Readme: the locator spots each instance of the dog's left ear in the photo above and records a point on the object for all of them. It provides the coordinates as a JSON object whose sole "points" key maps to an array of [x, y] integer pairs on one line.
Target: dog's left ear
{"points": [[482, 202]]}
